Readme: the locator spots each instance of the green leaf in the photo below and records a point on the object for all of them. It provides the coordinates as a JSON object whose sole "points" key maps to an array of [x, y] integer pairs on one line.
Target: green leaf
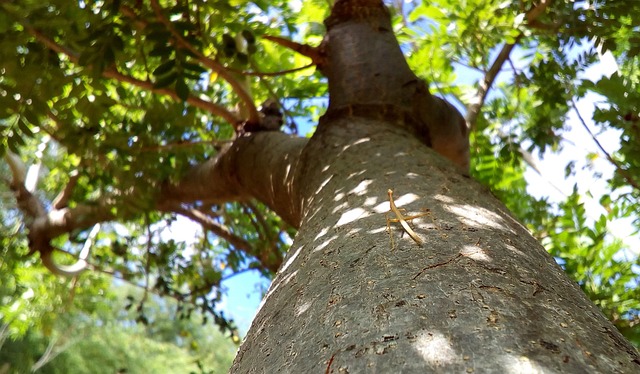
{"points": [[164, 68], [248, 36], [182, 90], [162, 50], [194, 67], [24, 127], [166, 80]]}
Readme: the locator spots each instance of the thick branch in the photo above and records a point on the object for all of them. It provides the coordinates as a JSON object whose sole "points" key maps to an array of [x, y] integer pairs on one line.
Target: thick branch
{"points": [[17, 167], [377, 74], [537, 10], [27, 202], [261, 166], [35, 213], [63, 197]]}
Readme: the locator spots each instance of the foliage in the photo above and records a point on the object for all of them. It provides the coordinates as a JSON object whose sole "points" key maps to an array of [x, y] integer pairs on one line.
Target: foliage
{"points": [[112, 342], [31, 297], [528, 112], [130, 95]]}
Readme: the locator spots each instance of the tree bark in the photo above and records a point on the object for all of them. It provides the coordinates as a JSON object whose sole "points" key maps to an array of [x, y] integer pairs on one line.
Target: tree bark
{"points": [[480, 295]]}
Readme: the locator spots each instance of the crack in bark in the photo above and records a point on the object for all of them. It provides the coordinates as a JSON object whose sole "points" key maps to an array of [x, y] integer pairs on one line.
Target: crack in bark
{"points": [[455, 258]]}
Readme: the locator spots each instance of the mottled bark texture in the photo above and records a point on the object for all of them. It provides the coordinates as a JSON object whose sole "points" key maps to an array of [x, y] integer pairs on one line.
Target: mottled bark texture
{"points": [[480, 295]]}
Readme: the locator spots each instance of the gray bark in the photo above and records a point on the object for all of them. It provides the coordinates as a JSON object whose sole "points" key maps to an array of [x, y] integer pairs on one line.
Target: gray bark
{"points": [[481, 295]]}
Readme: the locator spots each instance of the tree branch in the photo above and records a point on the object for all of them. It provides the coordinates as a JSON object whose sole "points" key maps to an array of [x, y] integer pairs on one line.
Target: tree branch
{"points": [[112, 73], [473, 109], [271, 74], [211, 182], [62, 200], [237, 86], [314, 53], [209, 224], [35, 215], [625, 174], [227, 177], [537, 10]]}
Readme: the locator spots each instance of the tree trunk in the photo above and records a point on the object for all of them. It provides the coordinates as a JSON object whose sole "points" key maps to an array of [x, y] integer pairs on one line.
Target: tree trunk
{"points": [[356, 295], [480, 295]]}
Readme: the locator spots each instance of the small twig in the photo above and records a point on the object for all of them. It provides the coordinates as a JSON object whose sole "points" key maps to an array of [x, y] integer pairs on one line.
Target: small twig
{"points": [[272, 74], [625, 174], [473, 110], [207, 223], [147, 265]]}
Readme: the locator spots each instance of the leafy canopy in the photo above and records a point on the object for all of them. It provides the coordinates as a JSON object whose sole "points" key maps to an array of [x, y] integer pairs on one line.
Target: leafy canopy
{"points": [[115, 98]]}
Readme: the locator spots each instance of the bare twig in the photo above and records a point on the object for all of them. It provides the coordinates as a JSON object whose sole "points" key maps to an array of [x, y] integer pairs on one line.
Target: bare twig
{"points": [[473, 109], [209, 224], [52, 351], [272, 74], [625, 174], [147, 265]]}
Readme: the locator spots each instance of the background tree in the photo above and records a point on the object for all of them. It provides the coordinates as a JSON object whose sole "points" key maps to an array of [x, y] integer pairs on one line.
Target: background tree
{"points": [[109, 341], [119, 101]]}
